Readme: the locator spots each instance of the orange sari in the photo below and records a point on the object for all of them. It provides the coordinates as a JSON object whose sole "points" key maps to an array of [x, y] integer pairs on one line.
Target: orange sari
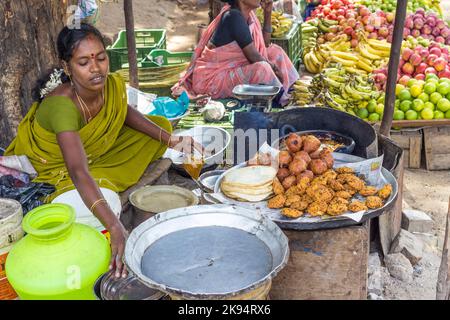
{"points": [[215, 72]]}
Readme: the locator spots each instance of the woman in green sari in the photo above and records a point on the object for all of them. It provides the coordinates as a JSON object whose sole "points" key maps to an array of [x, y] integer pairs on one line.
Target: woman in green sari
{"points": [[82, 134]]}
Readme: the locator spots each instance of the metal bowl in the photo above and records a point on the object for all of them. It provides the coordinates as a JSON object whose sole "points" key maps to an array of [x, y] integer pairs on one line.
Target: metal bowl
{"points": [[201, 264], [174, 121], [208, 179], [255, 91], [215, 140]]}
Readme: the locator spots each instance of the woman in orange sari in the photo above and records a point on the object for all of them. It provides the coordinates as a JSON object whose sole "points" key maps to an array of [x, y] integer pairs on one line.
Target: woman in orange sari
{"points": [[234, 50]]}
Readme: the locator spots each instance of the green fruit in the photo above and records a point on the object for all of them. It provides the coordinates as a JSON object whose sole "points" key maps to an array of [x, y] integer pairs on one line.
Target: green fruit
{"points": [[381, 99], [424, 97], [371, 106], [398, 88], [411, 115], [447, 115], [439, 114], [418, 105], [443, 105], [411, 82], [362, 113], [448, 96], [435, 97], [405, 95], [429, 87], [379, 108], [405, 105], [427, 114], [431, 76], [443, 88], [397, 104], [429, 105], [415, 90], [399, 115], [374, 117]]}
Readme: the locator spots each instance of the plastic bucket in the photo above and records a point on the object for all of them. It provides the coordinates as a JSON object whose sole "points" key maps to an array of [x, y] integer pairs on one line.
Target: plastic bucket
{"points": [[83, 215], [10, 232]]}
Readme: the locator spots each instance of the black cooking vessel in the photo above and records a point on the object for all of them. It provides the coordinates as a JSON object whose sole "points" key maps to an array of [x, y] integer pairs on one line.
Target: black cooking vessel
{"points": [[303, 119]]}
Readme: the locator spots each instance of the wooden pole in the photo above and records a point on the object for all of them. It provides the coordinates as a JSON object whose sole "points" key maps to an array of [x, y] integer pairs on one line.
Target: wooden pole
{"points": [[131, 43], [394, 60]]}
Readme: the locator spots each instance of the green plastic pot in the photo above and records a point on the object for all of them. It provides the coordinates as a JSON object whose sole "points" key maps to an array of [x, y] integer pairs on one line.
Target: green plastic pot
{"points": [[58, 258]]}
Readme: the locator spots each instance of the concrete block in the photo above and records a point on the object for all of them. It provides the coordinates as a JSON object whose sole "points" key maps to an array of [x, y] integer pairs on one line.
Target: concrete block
{"points": [[416, 221], [399, 267]]}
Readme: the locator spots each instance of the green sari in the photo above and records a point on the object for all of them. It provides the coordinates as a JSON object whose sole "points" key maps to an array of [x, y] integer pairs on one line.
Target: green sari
{"points": [[117, 154]]}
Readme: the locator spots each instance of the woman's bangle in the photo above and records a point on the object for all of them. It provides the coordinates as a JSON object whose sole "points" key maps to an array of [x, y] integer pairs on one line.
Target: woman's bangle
{"points": [[96, 203]]}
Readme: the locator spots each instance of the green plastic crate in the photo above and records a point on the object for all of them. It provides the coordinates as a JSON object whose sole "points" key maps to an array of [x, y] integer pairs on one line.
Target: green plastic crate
{"points": [[146, 41], [291, 43], [162, 57]]}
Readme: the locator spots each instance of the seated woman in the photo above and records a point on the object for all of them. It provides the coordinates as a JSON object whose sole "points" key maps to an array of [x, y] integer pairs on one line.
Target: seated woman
{"points": [[234, 50], [82, 134]]}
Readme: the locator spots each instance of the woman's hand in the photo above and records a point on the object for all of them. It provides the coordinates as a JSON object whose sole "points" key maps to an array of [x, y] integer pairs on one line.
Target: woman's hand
{"points": [[267, 6], [118, 239], [185, 144]]}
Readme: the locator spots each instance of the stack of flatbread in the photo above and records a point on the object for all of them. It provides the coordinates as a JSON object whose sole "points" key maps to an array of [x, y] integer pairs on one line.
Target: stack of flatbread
{"points": [[252, 184]]}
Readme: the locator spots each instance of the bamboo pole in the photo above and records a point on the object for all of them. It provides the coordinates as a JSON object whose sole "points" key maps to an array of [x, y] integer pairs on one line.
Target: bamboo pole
{"points": [[394, 60], [131, 43]]}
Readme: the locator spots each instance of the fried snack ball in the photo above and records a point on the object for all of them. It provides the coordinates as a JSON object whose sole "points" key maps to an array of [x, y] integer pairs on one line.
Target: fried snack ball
{"points": [[336, 208], [323, 180], [342, 177], [311, 143], [300, 205], [293, 142], [277, 186], [307, 199], [277, 202], [385, 192], [297, 166], [302, 155], [291, 213], [368, 191], [345, 170], [315, 154], [340, 200], [374, 202], [355, 183], [289, 181], [307, 173], [318, 166], [343, 194], [283, 173], [291, 199], [357, 205], [317, 209], [320, 193], [284, 158], [335, 185], [330, 174], [349, 189], [303, 183]]}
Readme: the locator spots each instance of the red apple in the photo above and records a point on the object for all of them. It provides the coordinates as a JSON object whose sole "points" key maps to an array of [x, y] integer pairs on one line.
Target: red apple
{"points": [[440, 39], [365, 20], [370, 28], [406, 54], [415, 59], [383, 32], [436, 51], [348, 30], [351, 22], [341, 12], [372, 35], [431, 58], [354, 35], [363, 11], [420, 76], [390, 17], [406, 32], [354, 43], [336, 5], [444, 73], [415, 33], [404, 80], [408, 68], [430, 70], [421, 67], [440, 64]]}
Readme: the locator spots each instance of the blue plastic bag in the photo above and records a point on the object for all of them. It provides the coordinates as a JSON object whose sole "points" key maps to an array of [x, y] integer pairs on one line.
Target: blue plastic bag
{"points": [[169, 108]]}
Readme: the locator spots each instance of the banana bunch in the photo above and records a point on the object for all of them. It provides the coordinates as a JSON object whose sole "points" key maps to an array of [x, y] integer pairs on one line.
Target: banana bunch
{"points": [[316, 58], [309, 34], [326, 25], [281, 25], [301, 94]]}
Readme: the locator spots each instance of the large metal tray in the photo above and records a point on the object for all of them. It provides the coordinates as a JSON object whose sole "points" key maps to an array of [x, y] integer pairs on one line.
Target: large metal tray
{"points": [[203, 259], [314, 223], [255, 91]]}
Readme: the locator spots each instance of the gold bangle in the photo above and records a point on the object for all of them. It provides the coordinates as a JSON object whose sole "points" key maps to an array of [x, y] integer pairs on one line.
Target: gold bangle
{"points": [[160, 135], [96, 203]]}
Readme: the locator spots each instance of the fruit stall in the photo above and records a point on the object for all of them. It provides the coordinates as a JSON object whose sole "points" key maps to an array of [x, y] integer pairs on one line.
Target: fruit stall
{"points": [[345, 49]]}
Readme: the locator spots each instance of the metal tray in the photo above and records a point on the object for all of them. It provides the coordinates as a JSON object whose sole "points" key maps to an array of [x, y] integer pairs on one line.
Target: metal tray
{"points": [[255, 91], [208, 179], [205, 259], [314, 223]]}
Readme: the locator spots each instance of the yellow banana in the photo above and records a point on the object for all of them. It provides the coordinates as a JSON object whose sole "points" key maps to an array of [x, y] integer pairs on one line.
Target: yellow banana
{"points": [[347, 63], [382, 53], [363, 51], [364, 66], [378, 44], [344, 55]]}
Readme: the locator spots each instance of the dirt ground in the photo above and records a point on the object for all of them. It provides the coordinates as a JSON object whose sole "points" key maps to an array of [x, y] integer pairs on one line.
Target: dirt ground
{"points": [[423, 190]]}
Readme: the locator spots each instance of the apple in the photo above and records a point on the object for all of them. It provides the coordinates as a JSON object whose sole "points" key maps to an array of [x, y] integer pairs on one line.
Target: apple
{"points": [[348, 30], [440, 64], [440, 39], [336, 4], [390, 17], [363, 11], [408, 68], [406, 32], [370, 28], [406, 54], [436, 51], [430, 70], [421, 67], [409, 22], [383, 31], [351, 22], [354, 35], [404, 80], [420, 76], [354, 43], [431, 58], [341, 12], [415, 33], [415, 59], [444, 73], [372, 35], [426, 29]]}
